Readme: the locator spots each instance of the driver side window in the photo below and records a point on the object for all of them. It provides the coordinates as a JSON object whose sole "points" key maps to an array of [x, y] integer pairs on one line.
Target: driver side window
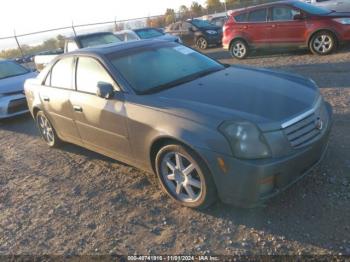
{"points": [[89, 73], [284, 13]]}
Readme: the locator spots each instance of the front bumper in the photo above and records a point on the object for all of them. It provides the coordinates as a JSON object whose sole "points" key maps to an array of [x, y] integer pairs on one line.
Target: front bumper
{"points": [[248, 183], [13, 105]]}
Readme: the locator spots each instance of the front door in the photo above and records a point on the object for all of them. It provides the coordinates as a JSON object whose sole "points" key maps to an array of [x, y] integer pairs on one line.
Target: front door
{"points": [[288, 26], [55, 97], [256, 30], [101, 122]]}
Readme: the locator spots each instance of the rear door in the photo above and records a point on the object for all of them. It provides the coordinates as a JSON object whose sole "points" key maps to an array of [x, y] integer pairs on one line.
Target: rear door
{"points": [[288, 25], [187, 33], [101, 122], [256, 28], [55, 98]]}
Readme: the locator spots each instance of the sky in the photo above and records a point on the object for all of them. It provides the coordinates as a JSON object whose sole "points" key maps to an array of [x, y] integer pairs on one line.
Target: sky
{"points": [[34, 15]]}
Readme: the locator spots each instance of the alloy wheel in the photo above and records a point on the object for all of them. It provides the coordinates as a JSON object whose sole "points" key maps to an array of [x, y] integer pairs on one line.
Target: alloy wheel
{"points": [[239, 50], [202, 43], [46, 129], [323, 44], [181, 177]]}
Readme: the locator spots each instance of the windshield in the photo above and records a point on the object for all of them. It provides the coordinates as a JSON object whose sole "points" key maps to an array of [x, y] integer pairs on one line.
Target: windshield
{"points": [[156, 68], [10, 69], [148, 33], [311, 9], [99, 39], [201, 23]]}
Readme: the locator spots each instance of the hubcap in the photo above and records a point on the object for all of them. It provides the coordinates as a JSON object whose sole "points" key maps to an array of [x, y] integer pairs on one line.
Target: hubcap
{"points": [[181, 177], [239, 50], [46, 129], [323, 43], [202, 43]]}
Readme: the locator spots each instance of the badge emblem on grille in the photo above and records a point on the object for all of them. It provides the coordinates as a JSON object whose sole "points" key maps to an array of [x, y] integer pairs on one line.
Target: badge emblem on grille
{"points": [[319, 124]]}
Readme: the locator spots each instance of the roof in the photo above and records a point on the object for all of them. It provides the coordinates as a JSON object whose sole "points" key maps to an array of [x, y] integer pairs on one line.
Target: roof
{"points": [[89, 34], [261, 5], [118, 47]]}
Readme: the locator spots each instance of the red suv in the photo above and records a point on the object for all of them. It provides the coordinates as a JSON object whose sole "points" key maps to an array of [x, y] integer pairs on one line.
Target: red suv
{"points": [[285, 24]]}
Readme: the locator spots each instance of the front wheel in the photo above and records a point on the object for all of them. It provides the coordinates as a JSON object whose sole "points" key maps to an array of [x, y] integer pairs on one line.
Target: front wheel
{"points": [[185, 177], [202, 43], [239, 49], [323, 43], [46, 130]]}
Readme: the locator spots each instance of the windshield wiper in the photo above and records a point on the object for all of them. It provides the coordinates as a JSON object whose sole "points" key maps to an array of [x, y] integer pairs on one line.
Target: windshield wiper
{"points": [[180, 81]]}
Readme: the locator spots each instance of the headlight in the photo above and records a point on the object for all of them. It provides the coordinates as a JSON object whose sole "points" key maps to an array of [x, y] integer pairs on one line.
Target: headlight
{"points": [[211, 32], [343, 21], [246, 140]]}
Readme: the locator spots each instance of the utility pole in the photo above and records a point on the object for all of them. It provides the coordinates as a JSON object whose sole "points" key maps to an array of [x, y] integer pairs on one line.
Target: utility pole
{"points": [[19, 46]]}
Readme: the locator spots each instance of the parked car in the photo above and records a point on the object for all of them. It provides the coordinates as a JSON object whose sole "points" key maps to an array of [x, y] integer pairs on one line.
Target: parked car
{"points": [[218, 21], [12, 99], [146, 33], [204, 128], [285, 24], [196, 32], [336, 5], [74, 43]]}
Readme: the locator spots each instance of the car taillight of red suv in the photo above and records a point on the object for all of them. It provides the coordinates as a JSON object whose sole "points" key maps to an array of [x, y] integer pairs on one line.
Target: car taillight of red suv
{"points": [[285, 24]]}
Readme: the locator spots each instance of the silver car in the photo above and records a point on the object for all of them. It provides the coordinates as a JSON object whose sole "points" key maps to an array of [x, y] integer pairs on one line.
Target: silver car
{"points": [[12, 98], [336, 5], [146, 33]]}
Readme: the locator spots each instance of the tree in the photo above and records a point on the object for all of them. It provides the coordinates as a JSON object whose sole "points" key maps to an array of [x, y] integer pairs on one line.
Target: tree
{"points": [[184, 12], [196, 9], [231, 4], [214, 5], [170, 16]]}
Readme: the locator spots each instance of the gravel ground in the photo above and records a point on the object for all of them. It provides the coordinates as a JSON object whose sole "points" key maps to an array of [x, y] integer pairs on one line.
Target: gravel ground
{"points": [[74, 201]]}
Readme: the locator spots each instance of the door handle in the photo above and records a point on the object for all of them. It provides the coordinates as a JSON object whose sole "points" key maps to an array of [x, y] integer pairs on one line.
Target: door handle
{"points": [[46, 99], [78, 109]]}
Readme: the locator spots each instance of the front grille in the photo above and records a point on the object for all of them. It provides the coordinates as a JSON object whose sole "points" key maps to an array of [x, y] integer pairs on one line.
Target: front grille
{"points": [[306, 130], [17, 105]]}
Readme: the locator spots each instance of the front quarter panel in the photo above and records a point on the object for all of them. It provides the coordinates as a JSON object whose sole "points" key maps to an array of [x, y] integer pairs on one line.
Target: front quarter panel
{"points": [[31, 90], [147, 125]]}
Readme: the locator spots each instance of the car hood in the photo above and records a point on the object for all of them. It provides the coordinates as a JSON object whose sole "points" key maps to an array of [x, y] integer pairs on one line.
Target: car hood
{"points": [[265, 97], [14, 84]]}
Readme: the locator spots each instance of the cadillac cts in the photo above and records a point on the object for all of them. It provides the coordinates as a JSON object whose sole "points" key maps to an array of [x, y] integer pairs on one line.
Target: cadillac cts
{"points": [[206, 129]]}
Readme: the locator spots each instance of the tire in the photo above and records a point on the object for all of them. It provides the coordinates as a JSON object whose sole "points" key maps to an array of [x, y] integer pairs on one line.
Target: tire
{"points": [[184, 176], [202, 43], [239, 49], [46, 130], [323, 43]]}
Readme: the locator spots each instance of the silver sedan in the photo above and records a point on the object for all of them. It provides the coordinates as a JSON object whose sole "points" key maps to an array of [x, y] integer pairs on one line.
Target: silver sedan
{"points": [[12, 98]]}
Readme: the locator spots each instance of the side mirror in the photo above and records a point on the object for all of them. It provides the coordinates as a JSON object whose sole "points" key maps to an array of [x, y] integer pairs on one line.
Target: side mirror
{"points": [[105, 90], [298, 17]]}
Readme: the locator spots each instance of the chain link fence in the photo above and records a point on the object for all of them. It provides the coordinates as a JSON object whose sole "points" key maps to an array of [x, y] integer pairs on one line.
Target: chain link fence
{"points": [[23, 47]]}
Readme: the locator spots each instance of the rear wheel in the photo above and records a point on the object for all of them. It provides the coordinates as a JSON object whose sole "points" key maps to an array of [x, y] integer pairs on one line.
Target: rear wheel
{"points": [[202, 43], [185, 177], [46, 130], [239, 49], [323, 43]]}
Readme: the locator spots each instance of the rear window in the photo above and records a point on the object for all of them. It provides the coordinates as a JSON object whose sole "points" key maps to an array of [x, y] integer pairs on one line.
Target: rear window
{"points": [[99, 39], [258, 16], [241, 18]]}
